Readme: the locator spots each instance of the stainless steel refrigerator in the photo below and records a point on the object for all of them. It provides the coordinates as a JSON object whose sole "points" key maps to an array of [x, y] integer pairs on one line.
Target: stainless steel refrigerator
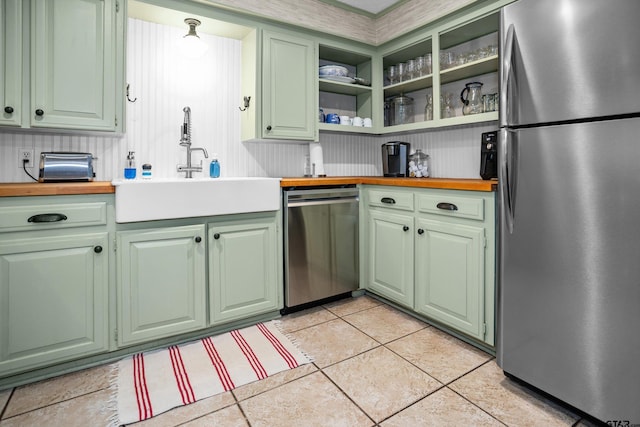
{"points": [[569, 194]]}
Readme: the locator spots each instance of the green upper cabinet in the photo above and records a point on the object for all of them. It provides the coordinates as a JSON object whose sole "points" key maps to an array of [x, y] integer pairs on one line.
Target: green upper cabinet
{"points": [[452, 53], [73, 57], [73, 51], [285, 95], [347, 96], [11, 62], [161, 282], [288, 87], [243, 268]]}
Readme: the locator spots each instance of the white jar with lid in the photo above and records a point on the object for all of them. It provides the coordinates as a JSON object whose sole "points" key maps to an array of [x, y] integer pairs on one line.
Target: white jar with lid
{"points": [[419, 164]]}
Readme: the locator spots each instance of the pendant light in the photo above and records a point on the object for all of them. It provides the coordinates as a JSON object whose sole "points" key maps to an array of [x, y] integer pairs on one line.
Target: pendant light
{"points": [[192, 46]]}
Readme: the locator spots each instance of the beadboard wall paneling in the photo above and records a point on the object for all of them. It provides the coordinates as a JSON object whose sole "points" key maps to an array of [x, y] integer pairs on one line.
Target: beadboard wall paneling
{"points": [[164, 82]]}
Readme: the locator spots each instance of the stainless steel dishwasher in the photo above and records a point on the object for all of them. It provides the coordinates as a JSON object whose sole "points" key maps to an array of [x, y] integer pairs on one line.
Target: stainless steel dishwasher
{"points": [[320, 245]]}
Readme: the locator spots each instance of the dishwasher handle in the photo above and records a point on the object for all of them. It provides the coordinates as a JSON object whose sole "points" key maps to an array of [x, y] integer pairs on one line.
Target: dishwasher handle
{"points": [[327, 201]]}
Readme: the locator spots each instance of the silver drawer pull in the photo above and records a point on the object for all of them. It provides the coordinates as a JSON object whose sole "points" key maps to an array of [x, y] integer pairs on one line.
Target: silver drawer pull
{"points": [[447, 206], [48, 217]]}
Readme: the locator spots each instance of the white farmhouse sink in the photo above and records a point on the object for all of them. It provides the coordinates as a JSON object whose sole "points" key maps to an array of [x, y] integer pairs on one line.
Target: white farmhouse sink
{"points": [[148, 200]]}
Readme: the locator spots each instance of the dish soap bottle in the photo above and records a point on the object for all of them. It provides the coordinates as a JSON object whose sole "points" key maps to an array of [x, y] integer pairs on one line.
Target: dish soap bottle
{"points": [[214, 167], [146, 171], [130, 166]]}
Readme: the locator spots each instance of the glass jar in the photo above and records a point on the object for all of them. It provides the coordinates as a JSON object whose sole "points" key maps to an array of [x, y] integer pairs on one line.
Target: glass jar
{"points": [[418, 164], [403, 110]]}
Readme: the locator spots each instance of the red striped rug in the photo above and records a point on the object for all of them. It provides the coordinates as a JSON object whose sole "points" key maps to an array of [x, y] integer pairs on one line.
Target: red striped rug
{"points": [[151, 383]]}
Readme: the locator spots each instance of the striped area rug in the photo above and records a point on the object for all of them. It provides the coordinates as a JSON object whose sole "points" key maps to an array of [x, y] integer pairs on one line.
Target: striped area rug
{"points": [[154, 382]]}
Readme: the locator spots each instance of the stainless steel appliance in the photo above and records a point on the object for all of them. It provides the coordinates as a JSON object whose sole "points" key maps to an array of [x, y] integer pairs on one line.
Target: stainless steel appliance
{"points": [[66, 166], [321, 244], [489, 155], [569, 172], [395, 158]]}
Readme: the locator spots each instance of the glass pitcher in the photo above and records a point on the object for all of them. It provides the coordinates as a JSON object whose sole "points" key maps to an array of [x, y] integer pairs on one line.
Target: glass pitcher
{"points": [[472, 104]]}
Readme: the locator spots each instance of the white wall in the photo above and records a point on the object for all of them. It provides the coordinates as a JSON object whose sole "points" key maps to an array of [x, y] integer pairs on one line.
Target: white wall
{"points": [[164, 82]]}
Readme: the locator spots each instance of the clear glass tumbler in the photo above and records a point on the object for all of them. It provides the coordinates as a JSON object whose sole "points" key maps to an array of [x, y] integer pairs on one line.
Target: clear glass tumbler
{"points": [[428, 64], [420, 66]]}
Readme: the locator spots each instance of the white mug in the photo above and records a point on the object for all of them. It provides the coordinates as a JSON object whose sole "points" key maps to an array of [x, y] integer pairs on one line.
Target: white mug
{"points": [[357, 121], [367, 122], [345, 120]]}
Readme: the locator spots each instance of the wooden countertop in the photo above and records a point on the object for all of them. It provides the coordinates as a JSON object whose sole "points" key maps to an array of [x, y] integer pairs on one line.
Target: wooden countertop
{"points": [[447, 183], [12, 189], [55, 188]]}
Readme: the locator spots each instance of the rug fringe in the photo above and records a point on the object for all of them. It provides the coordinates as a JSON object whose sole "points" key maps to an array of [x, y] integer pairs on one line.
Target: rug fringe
{"points": [[112, 403], [278, 324]]}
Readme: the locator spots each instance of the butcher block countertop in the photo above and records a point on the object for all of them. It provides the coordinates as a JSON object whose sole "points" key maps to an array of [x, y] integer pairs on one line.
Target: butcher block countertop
{"points": [[12, 189], [55, 188], [447, 183]]}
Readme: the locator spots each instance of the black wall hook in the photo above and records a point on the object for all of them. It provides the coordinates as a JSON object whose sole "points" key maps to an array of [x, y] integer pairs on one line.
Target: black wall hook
{"points": [[129, 99], [247, 101]]}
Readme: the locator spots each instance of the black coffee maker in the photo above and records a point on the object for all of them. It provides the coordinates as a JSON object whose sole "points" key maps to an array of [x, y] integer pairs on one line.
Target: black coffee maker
{"points": [[395, 158], [489, 155]]}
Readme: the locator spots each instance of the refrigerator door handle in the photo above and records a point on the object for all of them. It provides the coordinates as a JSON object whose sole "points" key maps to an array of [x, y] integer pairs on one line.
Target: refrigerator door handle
{"points": [[506, 75], [507, 174]]}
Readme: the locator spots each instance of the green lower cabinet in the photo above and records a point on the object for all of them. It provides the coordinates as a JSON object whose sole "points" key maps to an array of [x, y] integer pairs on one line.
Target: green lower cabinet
{"points": [[53, 299], [162, 282], [243, 277], [390, 256], [433, 252], [450, 275]]}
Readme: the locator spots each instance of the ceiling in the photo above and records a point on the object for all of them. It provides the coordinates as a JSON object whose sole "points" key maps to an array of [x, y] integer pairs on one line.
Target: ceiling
{"points": [[366, 7]]}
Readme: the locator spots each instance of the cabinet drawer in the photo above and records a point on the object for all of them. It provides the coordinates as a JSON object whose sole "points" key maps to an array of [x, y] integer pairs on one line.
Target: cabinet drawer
{"points": [[453, 206], [63, 215], [392, 200]]}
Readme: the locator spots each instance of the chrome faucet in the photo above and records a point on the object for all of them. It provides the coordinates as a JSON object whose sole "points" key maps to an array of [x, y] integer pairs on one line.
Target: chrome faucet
{"points": [[185, 141]]}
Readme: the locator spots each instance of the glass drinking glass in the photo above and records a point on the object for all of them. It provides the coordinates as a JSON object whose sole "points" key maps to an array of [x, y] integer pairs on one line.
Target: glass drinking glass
{"points": [[420, 66], [401, 68], [410, 70], [428, 109], [427, 64], [446, 106], [392, 73]]}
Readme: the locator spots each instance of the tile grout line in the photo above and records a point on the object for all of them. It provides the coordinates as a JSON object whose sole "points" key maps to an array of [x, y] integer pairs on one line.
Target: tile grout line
{"points": [[471, 402], [6, 405], [348, 397]]}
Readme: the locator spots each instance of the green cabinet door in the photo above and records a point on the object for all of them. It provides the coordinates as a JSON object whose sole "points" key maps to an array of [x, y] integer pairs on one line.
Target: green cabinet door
{"points": [[450, 274], [11, 62], [53, 299], [289, 109], [73, 64], [161, 282], [243, 276], [390, 256]]}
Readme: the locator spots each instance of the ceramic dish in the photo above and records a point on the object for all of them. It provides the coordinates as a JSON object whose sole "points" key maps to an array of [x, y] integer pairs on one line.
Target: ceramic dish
{"points": [[333, 70], [339, 79]]}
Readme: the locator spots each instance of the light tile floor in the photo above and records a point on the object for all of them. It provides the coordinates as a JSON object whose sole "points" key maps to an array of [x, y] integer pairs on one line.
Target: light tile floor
{"points": [[374, 366]]}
